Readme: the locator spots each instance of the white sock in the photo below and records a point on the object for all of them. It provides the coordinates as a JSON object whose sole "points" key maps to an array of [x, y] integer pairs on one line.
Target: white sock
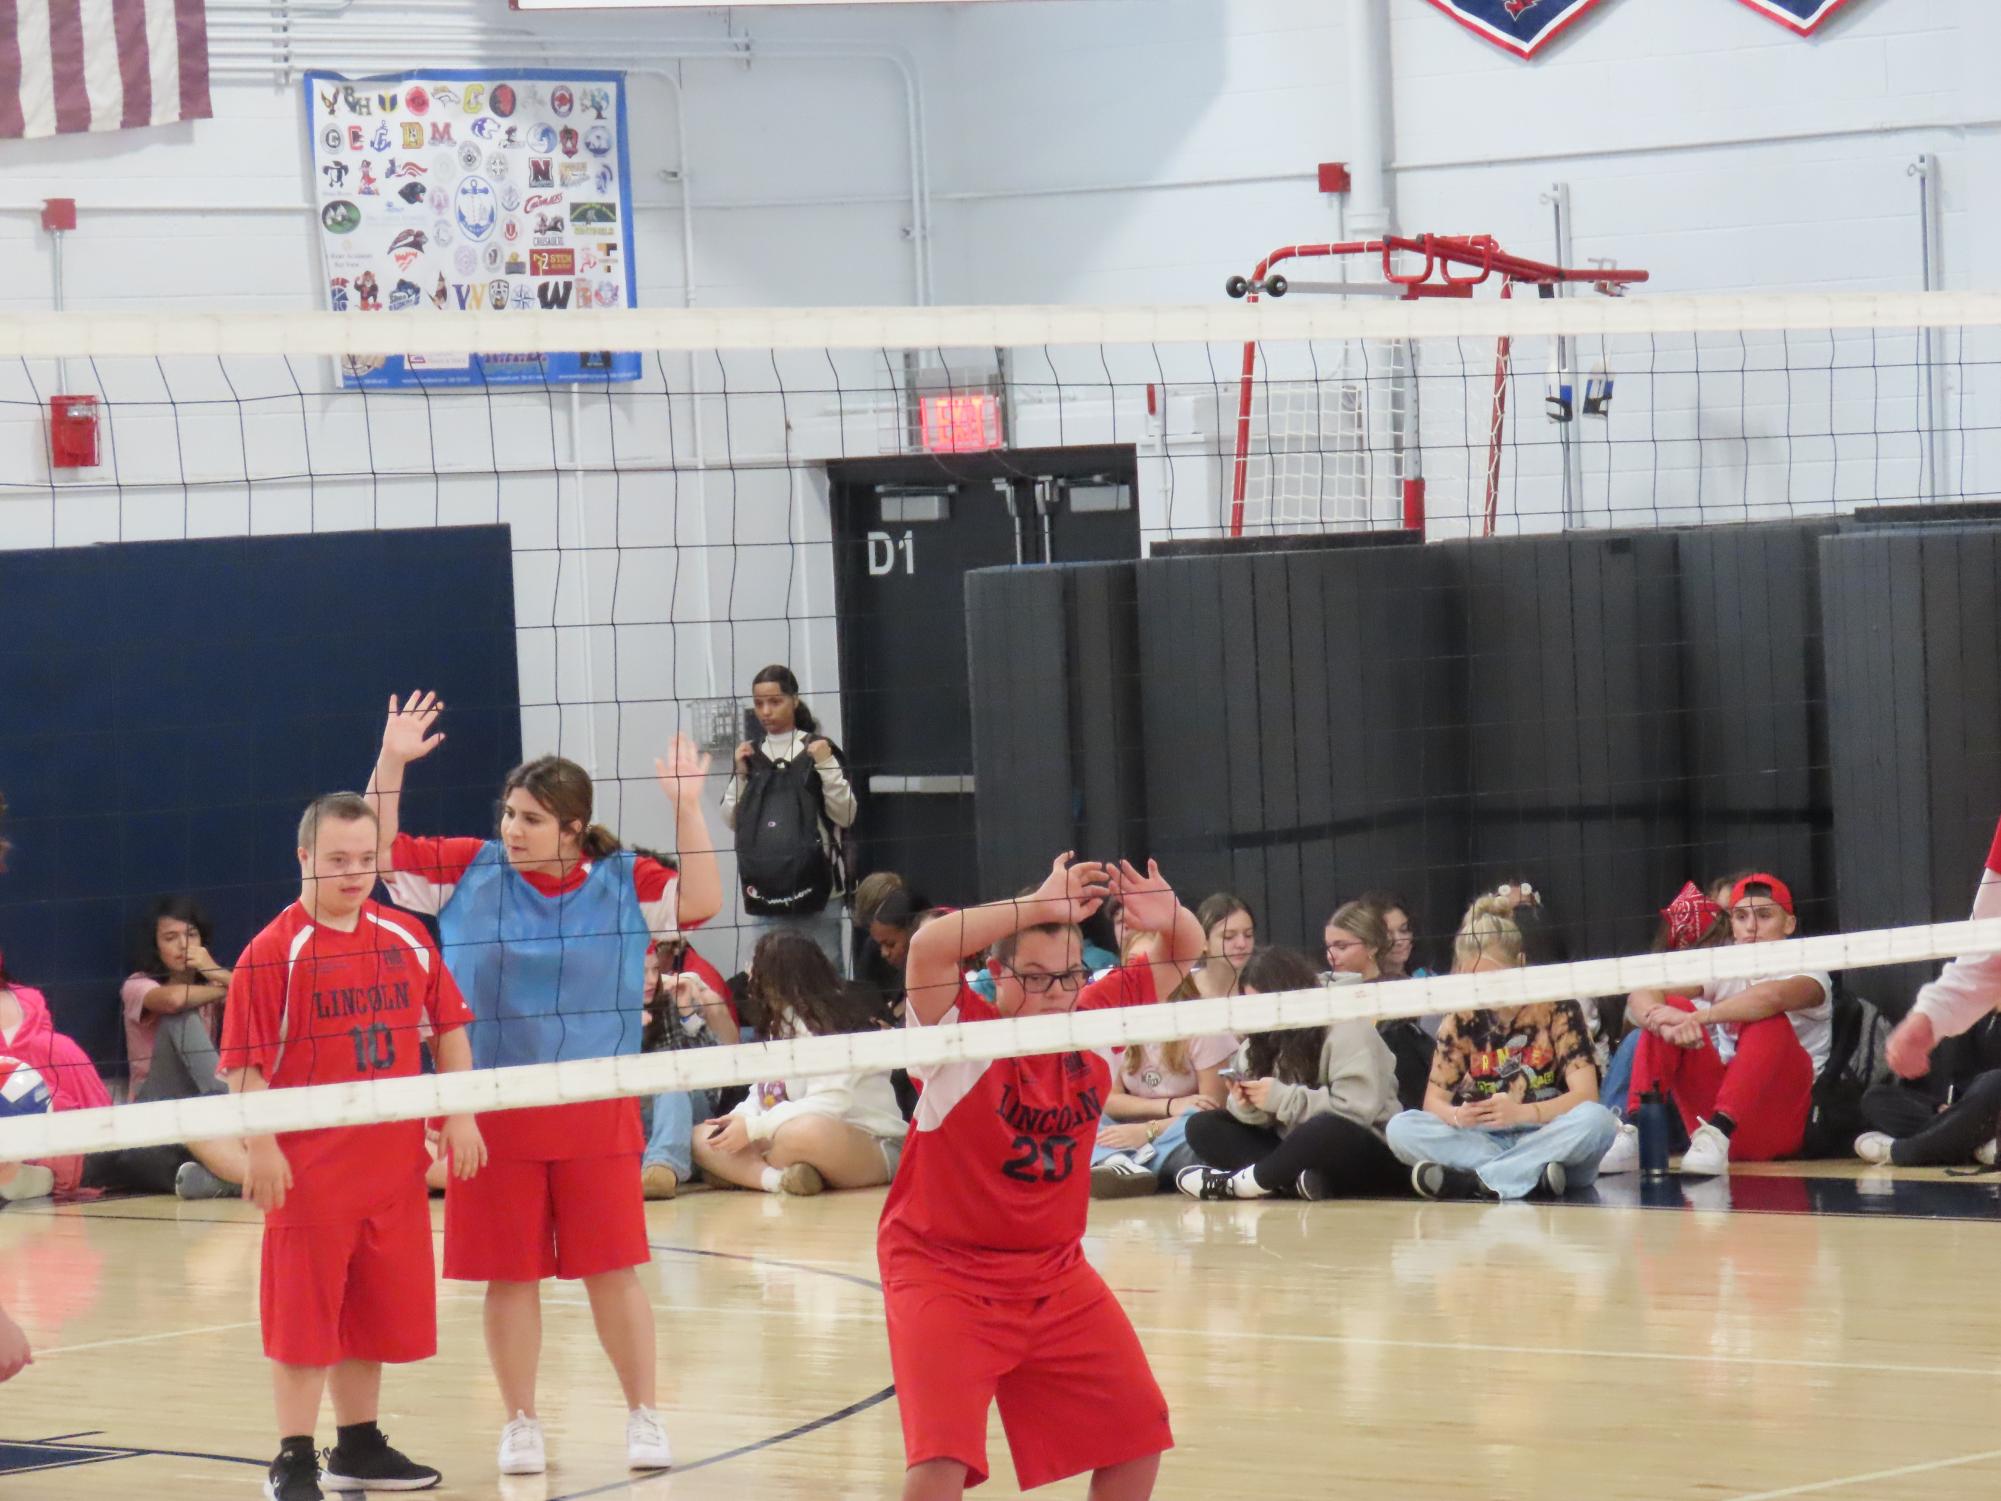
{"points": [[768, 1180], [1244, 1185]]}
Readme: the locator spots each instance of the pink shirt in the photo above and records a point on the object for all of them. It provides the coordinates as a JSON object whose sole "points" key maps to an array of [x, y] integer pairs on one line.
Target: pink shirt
{"points": [[1141, 1073], [141, 1024]]}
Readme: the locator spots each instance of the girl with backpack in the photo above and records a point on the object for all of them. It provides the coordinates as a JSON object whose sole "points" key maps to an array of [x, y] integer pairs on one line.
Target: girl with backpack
{"points": [[790, 803]]}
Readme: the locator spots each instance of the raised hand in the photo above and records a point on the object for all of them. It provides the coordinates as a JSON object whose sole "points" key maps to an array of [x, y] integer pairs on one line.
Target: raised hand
{"points": [[681, 771], [1149, 901], [407, 736], [1078, 888]]}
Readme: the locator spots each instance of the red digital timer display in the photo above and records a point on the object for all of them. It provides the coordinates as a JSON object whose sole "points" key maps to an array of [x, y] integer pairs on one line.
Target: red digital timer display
{"points": [[962, 422]]}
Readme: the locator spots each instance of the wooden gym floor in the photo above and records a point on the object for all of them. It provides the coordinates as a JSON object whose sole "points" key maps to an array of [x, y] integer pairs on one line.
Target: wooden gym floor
{"points": [[1826, 1334]]}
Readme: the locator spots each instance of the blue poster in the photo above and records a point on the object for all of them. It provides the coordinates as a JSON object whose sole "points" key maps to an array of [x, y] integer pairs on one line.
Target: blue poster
{"points": [[505, 190], [1523, 27]]}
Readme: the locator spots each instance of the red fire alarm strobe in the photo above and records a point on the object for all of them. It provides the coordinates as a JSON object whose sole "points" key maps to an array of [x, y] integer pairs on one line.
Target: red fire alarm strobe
{"points": [[1335, 178], [72, 432]]}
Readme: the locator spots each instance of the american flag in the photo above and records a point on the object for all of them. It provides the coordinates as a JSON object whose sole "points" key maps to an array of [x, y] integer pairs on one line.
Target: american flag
{"points": [[77, 65]]}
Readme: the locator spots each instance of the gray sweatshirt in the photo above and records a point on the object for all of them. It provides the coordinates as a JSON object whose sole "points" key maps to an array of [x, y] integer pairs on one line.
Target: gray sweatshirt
{"points": [[1358, 1080]]}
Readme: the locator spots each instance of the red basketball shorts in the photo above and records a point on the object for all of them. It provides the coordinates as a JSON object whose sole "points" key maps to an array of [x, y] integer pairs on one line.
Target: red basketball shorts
{"points": [[1074, 1387], [363, 1289], [520, 1221]]}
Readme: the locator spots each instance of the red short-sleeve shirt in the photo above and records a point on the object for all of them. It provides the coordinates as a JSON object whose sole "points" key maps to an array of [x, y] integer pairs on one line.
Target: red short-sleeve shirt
{"points": [[995, 1182], [313, 1004]]}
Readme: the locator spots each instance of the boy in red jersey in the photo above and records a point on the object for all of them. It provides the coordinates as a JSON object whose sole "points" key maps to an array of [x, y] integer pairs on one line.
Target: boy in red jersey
{"points": [[985, 1286], [338, 989]]}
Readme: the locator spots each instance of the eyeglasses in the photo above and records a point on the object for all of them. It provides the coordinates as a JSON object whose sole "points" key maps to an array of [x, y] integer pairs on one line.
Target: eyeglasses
{"points": [[1037, 983]]}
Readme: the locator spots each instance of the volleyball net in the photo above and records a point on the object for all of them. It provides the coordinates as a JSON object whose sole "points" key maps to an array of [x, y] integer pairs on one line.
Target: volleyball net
{"points": [[579, 1080], [1715, 593]]}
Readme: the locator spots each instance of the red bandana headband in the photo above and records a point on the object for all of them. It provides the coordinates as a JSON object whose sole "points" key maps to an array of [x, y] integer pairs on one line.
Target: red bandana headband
{"points": [[1690, 917]]}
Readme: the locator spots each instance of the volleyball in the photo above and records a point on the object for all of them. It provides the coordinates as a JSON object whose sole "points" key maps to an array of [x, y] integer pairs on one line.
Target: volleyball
{"points": [[23, 1090]]}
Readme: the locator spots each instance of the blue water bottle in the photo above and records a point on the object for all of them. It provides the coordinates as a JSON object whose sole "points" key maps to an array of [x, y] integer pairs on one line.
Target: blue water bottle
{"points": [[1655, 1130]]}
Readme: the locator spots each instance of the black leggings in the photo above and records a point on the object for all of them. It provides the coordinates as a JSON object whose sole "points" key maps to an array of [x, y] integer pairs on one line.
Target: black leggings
{"points": [[1351, 1159], [1925, 1136]]}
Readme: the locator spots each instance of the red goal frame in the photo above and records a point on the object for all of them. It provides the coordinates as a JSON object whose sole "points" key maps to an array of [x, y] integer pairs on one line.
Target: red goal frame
{"points": [[1446, 266]]}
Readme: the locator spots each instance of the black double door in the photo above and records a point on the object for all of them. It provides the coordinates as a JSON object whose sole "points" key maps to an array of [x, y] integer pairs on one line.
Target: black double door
{"points": [[906, 532]]}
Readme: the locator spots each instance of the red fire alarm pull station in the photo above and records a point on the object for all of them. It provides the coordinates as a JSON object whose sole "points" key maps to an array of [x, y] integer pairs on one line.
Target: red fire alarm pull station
{"points": [[72, 432], [58, 214], [1334, 177]]}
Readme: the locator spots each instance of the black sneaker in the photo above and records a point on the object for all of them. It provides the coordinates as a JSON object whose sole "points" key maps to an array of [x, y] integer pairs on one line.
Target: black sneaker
{"points": [[376, 1468], [1313, 1185], [1553, 1182], [1204, 1182], [1434, 1180], [294, 1476]]}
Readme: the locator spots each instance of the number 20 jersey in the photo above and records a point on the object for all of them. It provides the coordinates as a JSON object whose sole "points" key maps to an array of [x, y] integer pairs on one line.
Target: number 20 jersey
{"points": [[311, 1004], [995, 1181]]}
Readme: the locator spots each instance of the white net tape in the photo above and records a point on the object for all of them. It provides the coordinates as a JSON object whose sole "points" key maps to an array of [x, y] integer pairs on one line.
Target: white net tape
{"points": [[25, 1138]]}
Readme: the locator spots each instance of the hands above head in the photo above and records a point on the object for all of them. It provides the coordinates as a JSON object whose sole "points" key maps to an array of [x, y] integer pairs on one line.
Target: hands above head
{"points": [[1150, 904], [1079, 887], [681, 771], [407, 736]]}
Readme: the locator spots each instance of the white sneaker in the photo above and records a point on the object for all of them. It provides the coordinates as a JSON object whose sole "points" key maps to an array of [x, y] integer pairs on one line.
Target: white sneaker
{"points": [[1708, 1153], [30, 1181], [1623, 1156], [1874, 1146], [646, 1441], [521, 1451], [1987, 1153]]}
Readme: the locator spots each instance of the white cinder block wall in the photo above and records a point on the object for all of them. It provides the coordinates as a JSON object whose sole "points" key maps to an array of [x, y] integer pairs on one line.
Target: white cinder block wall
{"points": [[1089, 150]]}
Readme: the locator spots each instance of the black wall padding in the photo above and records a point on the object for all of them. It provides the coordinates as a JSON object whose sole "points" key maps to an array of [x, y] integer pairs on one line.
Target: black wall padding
{"points": [[1912, 621], [1301, 726], [1572, 713], [1018, 656], [1754, 701]]}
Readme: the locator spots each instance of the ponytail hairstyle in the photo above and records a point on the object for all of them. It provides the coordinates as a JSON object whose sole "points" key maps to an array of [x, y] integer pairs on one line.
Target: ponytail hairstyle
{"points": [[1361, 920], [1291, 1057], [1488, 930], [802, 717], [564, 788]]}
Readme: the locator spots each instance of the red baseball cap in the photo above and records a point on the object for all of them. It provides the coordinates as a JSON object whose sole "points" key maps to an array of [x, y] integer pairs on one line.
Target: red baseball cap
{"points": [[1781, 892]]}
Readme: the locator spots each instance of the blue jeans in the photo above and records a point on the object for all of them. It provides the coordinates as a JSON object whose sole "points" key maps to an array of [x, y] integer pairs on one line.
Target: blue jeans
{"points": [[1619, 1077], [1171, 1152], [670, 1136], [1510, 1162]]}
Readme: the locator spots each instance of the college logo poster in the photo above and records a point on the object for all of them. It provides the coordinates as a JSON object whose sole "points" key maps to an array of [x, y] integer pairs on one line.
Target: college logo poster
{"points": [[1523, 27], [502, 190], [1803, 16]]}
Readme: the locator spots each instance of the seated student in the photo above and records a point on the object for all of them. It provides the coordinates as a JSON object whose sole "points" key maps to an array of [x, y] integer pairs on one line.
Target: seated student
{"points": [[1401, 962], [28, 1035], [172, 1004], [1739, 1059], [1512, 1104], [1230, 929], [1946, 1117], [1693, 920], [687, 1007], [1960, 1003], [1359, 947], [1156, 1088], [1308, 1120], [799, 1136]]}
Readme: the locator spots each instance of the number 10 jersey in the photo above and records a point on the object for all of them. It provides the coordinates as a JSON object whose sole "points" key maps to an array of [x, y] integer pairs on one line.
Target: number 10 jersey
{"points": [[311, 1004], [995, 1181]]}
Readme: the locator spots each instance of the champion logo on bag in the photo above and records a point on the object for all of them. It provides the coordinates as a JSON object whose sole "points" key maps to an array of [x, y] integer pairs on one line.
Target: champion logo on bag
{"points": [[1523, 27]]}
